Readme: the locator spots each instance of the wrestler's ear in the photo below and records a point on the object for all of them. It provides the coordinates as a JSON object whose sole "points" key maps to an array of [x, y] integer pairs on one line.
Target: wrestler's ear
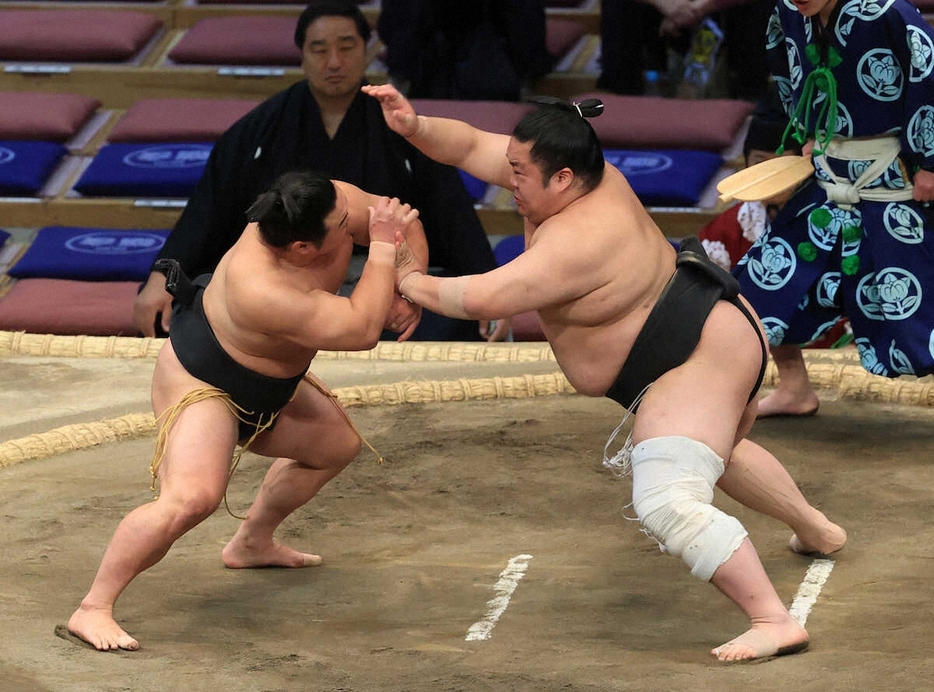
{"points": [[563, 179]]}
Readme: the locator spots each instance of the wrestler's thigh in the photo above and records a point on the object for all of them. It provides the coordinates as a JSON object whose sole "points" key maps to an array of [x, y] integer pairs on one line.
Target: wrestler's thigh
{"points": [[201, 438], [705, 398], [199, 448], [312, 428]]}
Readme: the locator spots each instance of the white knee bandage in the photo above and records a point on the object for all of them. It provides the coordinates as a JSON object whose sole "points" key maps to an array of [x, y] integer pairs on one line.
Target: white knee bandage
{"points": [[672, 488]]}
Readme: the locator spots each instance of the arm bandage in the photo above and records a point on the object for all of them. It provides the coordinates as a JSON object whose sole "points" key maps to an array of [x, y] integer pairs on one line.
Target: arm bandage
{"points": [[451, 296], [672, 487], [402, 291]]}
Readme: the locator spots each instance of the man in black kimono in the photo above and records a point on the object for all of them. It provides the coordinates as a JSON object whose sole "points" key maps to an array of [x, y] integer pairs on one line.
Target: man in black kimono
{"points": [[324, 123]]}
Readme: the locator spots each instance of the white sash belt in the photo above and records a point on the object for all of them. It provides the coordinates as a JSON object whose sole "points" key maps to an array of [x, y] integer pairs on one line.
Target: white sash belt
{"points": [[881, 151]]}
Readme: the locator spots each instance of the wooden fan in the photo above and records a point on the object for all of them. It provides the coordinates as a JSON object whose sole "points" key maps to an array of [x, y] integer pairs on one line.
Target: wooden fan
{"points": [[765, 179]]}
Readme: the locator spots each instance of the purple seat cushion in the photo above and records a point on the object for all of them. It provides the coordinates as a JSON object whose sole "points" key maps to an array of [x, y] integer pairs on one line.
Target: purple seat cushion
{"points": [[45, 117], [62, 306], [75, 35], [527, 326], [654, 122], [178, 120], [301, 3], [252, 2], [243, 40], [561, 35]]}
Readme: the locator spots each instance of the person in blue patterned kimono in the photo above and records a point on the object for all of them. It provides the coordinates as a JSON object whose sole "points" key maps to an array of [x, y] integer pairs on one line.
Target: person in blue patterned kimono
{"points": [[856, 239]]}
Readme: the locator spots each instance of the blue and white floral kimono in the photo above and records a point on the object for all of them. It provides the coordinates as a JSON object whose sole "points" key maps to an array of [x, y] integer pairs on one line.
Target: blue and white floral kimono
{"points": [[851, 241]]}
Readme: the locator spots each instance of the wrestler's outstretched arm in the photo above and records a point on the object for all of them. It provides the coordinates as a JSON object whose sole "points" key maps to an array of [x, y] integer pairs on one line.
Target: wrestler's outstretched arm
{"points": [[516, 287], [452, 142]]}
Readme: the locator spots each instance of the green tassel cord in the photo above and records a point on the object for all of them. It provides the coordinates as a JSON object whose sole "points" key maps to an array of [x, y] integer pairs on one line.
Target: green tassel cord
{"points": [[820, 80]]}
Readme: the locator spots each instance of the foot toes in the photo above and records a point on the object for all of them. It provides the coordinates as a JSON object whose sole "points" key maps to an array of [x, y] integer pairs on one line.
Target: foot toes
{"points": [[756, 644]]}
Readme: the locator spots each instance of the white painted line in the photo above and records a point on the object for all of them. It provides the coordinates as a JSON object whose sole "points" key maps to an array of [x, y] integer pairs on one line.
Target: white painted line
{"points": [[496, 606], [810, 589]]}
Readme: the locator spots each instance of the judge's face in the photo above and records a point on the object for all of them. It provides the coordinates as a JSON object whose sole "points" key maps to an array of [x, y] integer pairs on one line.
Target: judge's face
{"points": [[333, 57]]}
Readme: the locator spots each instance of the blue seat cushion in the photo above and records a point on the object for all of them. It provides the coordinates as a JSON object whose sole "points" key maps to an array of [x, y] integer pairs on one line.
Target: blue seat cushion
{"points": [[509, 248], [25, 166], [475, 187], [145, 170], [666, 177], [90, 254]]}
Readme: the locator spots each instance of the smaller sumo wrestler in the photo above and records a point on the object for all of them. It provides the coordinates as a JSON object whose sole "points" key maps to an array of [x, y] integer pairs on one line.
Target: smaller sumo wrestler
{"points": [[234, 371]]}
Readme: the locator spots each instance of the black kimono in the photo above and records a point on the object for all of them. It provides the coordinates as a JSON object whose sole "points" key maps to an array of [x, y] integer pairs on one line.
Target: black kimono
{"points": [[286, 132]]}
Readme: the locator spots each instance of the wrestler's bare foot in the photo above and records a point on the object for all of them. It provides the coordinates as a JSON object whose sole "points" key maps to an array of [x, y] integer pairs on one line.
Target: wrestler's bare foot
{"points": [[820, 536], [763, 640], [825, 542], [789, 402], [97, 627], [239, 555]]}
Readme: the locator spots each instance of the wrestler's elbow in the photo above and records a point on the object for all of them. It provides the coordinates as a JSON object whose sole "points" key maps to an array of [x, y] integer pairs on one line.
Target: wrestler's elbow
{"points": [[370, 342], [347, 335], [355, 342], [370, 334]]}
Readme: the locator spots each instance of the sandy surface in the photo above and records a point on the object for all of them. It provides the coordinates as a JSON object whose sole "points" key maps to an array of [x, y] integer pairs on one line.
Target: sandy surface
{"points": [[414, 548]]}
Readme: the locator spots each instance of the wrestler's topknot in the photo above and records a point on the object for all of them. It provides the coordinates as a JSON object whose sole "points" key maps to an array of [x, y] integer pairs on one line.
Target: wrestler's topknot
{"points": [[294, 208], [588, 108], [562, 137]]}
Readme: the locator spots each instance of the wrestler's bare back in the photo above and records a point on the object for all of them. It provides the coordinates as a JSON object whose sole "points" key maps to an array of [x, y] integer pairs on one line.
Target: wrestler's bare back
{"points": [[620, 262]]}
